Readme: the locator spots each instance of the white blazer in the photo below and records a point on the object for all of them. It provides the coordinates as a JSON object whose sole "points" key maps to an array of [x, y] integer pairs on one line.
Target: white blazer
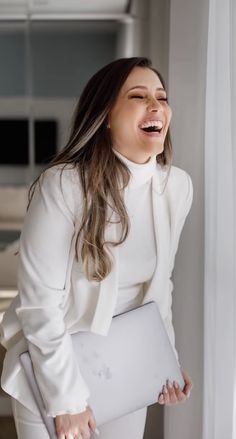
{"points": [[55, 299]]}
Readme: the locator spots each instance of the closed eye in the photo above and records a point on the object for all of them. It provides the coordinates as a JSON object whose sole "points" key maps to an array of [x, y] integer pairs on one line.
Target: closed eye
{"points": [[143, 97], [136, 97]]}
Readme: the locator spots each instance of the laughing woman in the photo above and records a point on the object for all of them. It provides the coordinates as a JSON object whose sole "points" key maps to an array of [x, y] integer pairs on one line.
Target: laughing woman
{"points": [[99, 202]]}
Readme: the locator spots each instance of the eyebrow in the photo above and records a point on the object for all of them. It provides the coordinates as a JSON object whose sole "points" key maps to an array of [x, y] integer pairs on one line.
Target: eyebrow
{"points": [[145, 88]]}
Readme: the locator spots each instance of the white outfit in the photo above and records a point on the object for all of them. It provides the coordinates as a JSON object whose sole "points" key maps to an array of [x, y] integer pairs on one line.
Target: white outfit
{"points": [[28, 425], [55, 298]]}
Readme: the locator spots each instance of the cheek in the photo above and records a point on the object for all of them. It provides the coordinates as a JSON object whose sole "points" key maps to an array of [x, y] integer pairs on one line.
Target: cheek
{"points": [[119, 126], [123, 119]]}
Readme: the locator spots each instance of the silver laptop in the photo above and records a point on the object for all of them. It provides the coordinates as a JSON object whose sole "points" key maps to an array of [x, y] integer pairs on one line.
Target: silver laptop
{"points": [[124, 370]]}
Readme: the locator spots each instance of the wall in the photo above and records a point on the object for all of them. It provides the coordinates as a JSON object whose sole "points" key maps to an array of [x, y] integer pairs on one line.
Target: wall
{"points": [[159, 16], [187, 60]]}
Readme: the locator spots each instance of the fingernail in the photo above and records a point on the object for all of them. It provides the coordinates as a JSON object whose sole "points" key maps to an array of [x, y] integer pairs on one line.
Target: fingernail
{"points": [[188, 394], [97, 432], [165, 389], [176, 385], [161, 397], [169, 384]]}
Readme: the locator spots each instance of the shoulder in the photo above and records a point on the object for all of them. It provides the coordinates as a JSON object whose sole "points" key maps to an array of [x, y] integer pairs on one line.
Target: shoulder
{"points": [[63, 174], [179, 180], [178, 190], [60, 184]]}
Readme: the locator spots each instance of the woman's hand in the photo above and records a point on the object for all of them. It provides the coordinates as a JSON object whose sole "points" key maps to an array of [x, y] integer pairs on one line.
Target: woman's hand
{"points": [[76, 426], [172, 395]]}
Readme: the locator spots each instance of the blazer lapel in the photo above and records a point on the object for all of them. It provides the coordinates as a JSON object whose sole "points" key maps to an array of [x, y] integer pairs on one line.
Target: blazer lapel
{"points": [[157, 286]]}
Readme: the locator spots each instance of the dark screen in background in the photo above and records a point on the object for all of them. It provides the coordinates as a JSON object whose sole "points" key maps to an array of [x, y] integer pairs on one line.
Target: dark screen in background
{"points": [[14, 134]]}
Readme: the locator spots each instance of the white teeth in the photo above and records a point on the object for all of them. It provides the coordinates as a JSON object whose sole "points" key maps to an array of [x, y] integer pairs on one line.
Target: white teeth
{"points": [[152, 123]]}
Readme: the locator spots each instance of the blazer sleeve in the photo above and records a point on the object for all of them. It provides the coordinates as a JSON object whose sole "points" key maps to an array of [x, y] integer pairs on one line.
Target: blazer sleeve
{"points": [[43, 258], [180, 217]]}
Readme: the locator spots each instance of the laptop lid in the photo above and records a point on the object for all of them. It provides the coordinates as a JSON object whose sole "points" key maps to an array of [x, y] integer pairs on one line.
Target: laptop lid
{"points": [[124, 370]]}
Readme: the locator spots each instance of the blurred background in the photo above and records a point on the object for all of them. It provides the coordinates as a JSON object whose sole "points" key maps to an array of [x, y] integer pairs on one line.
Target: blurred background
{"points": [[48, 51]]}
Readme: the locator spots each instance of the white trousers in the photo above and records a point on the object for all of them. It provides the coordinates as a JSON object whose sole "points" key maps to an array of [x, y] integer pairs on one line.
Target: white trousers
{"points": [[30, 426]]}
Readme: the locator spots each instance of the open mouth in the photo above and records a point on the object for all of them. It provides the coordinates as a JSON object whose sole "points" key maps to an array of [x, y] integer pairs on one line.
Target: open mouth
{"points": [[152, 126], [152, 129]]}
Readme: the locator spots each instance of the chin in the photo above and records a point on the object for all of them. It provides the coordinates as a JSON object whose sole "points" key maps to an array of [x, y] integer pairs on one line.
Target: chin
{"points": [[153, 149]]}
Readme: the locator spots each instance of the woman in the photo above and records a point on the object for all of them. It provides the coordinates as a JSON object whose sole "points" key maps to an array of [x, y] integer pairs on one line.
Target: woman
{"points": [[99, 237]]}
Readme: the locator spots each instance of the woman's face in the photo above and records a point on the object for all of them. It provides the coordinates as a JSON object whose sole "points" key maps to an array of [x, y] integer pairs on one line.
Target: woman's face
{"points": [[140, 117]]}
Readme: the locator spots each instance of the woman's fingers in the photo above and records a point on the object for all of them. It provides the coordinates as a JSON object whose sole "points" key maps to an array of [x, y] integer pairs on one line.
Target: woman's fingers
{"points": [[75, 426], [180, 395], [172, 393], [188, 383], [168, 396], [85, 433], [92, 422], [171, 398]]}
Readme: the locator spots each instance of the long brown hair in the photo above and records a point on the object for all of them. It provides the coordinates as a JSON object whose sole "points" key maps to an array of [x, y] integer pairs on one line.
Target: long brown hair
{"points": [[102, 174]]}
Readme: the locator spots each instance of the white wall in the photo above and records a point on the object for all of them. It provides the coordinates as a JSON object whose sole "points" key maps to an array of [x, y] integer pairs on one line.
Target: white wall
{"points": [[187, 60], [159, 17]]}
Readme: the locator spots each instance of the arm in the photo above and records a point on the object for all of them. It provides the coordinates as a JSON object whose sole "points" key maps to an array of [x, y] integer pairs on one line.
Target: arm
{"points": [[44, 251]]}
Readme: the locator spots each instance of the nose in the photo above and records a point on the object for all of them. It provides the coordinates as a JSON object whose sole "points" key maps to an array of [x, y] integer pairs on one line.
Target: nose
{"points": [[154, 105]]}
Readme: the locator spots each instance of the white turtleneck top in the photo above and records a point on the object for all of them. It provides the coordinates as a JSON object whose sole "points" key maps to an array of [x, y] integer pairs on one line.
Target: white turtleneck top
{"points": [[137, 254]]}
